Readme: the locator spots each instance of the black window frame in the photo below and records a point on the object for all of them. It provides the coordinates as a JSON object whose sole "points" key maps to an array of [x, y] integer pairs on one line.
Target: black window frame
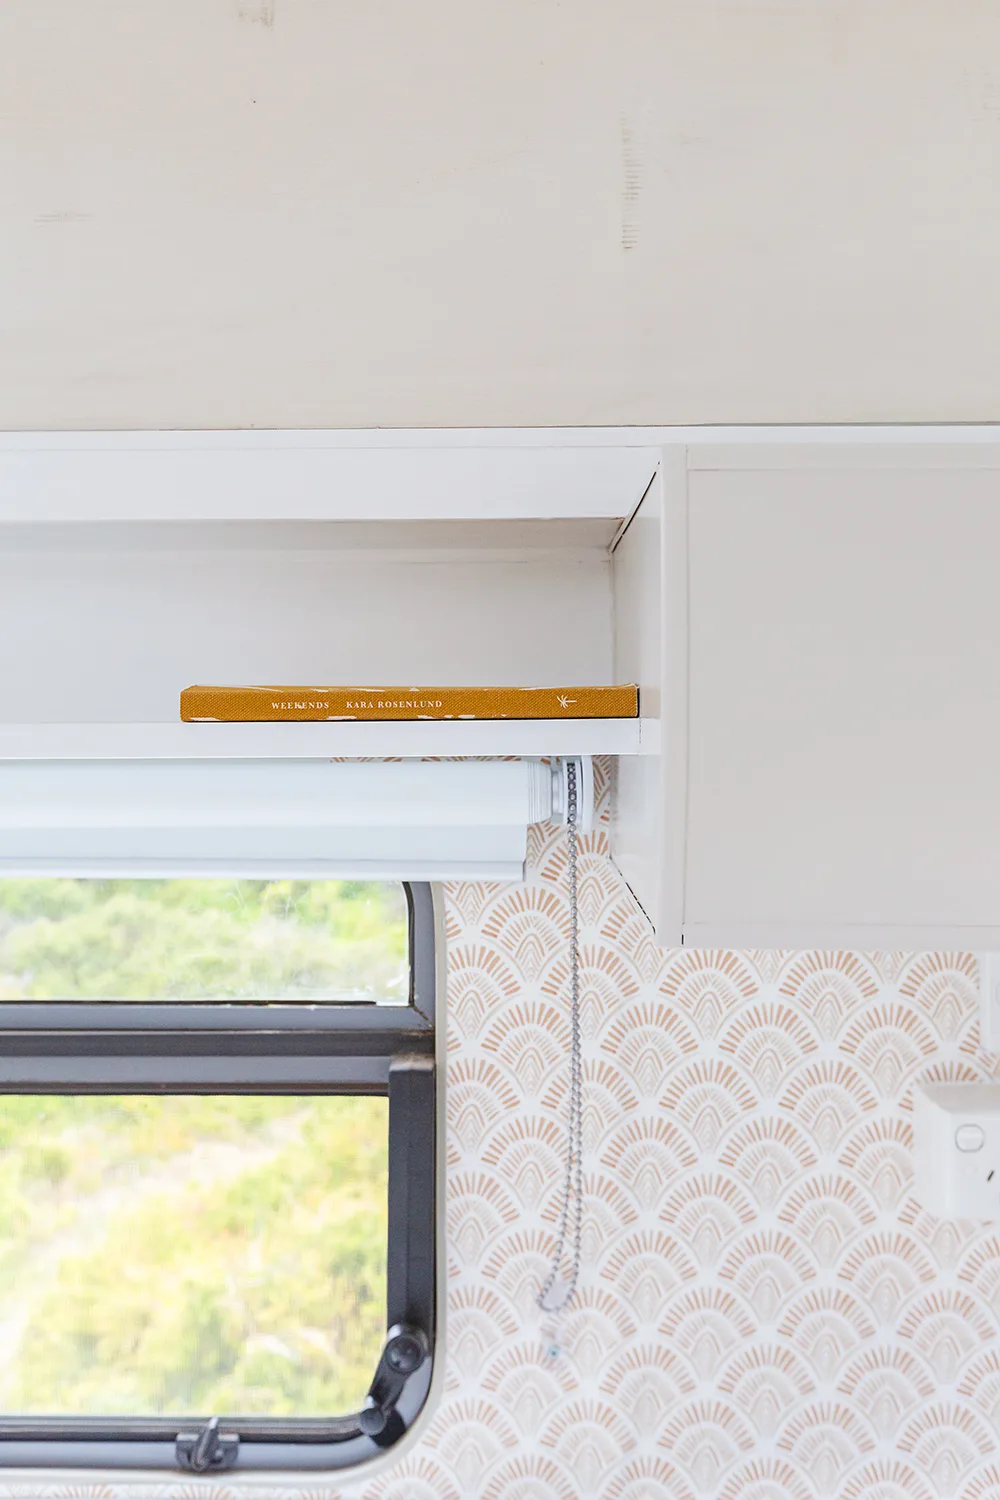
{"points": [[244, 1047]]}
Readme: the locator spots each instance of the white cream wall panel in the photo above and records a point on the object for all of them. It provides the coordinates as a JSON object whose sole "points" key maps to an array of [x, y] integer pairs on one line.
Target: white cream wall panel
{"points": [[283, 213]]}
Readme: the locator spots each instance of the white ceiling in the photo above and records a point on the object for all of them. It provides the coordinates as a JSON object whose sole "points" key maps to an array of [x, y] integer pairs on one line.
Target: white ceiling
{"points": [[340, 213]]}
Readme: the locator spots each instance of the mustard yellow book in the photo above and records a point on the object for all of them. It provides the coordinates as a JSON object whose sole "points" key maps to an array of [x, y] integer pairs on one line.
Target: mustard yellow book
{"points": [[246, 705]]}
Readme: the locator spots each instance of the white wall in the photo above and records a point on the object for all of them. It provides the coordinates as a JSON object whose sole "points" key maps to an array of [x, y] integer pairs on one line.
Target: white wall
{"points": [[301, 213], [109, 622]]}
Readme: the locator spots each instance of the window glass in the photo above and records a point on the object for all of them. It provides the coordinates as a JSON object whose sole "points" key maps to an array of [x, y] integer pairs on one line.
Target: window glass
{"points": [[296, 940], [191, 1255]]}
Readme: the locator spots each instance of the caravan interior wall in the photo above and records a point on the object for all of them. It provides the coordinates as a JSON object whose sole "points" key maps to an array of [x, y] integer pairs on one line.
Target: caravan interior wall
{"points": [[763, 1299]]}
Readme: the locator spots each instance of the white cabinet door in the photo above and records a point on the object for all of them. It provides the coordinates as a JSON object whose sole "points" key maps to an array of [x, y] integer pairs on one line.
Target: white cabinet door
{"points": [[843, 698]]}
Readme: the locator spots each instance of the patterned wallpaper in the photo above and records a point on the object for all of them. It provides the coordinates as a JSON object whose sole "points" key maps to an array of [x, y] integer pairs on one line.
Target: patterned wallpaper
{"points": [[766, 1312]]}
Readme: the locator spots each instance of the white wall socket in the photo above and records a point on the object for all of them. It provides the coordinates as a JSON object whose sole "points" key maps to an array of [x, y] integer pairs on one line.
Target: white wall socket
{"points": [[956, 1149]]}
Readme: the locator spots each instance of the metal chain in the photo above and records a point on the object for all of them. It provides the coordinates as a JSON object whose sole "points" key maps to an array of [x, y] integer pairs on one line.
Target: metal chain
{"points": [[573, 1181]]}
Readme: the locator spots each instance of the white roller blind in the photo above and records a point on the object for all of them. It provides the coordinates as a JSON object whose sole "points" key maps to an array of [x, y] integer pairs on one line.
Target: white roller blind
{"points": [[310, 818]]}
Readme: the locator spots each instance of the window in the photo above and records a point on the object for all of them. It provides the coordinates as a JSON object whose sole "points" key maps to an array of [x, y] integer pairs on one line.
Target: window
{"points": [[217, 1148], [312, 940]]}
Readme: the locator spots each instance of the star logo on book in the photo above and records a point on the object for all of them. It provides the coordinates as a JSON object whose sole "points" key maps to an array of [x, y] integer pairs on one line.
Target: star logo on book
{"points": [[563, 701]]}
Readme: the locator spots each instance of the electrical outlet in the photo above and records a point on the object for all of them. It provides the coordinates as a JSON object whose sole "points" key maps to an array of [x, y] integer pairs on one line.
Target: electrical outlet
{"points": [[956, 1141]]}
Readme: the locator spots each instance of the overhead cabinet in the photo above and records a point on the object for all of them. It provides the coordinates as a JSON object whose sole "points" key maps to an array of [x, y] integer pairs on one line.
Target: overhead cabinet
{"points": [[135, 564], [812, 616], [817, 628]]}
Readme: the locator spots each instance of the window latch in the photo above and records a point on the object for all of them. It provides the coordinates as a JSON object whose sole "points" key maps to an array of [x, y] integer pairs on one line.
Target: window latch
{"points": [[405, 1350], [208, 1449]]}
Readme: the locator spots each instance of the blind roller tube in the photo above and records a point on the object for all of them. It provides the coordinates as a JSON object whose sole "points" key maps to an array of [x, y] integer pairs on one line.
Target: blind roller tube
{"points": [[272, 794], [405, 819]]}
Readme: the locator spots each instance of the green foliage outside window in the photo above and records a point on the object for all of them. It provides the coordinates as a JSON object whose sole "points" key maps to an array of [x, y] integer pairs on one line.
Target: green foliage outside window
{"points": [[194, 1254], [191, 1254], [202, 940]]}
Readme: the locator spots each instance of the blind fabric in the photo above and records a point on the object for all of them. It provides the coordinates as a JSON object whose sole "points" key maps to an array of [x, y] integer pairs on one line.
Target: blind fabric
{"points": [[401, 820]]}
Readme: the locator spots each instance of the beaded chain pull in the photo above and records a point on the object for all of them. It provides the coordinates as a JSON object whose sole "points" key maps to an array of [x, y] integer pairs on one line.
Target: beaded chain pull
{"points": [[557, 1291]]}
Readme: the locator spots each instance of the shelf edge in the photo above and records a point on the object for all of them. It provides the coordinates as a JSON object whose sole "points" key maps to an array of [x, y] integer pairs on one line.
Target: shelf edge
{"points": [[175, 741]]}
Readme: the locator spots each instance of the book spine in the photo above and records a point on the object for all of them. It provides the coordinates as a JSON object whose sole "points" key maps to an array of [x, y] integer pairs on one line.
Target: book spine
{"points": [[312, 704]]}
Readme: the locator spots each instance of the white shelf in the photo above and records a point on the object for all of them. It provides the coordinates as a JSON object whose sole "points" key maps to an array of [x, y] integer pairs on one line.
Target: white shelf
{"points": [[380, 475], [175, 741], [64, 477]]}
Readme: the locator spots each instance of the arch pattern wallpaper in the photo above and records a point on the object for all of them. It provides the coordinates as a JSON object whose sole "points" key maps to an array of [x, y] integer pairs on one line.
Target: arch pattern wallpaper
{"points": [[766, 1312]]}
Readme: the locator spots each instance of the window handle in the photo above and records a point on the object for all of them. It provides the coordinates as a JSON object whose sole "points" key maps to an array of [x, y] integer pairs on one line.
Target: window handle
{"points": [[406, 1348], [207, 1449]]}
